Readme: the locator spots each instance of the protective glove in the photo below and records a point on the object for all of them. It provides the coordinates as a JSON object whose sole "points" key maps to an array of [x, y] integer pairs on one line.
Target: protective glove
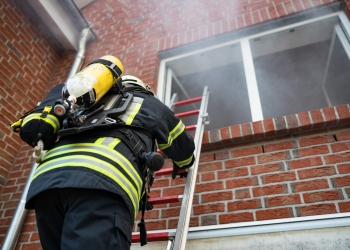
{"points": [[176, 168]]}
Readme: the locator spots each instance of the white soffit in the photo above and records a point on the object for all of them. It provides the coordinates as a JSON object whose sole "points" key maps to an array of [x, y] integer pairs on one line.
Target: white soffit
{"points": [[82, 3], [59, 21]]}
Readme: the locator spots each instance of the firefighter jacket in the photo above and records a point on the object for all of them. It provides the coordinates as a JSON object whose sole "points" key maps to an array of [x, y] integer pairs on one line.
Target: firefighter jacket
{"points": [[86, 161]]}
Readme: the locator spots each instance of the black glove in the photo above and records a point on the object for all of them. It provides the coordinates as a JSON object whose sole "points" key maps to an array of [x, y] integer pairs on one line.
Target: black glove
{"points": [[176, 169]]}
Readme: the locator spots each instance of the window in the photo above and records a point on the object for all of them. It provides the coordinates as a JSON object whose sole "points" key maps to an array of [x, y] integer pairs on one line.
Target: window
{"points": [[290, 69]]}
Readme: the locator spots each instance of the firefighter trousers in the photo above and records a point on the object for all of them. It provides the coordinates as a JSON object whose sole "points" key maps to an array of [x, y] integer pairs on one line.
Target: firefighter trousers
{"points": [[76, 218]]}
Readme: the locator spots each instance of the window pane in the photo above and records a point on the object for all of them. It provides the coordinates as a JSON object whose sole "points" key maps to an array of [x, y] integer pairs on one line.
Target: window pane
{"points": [[337, 76], [290, 67], [222, 71]]}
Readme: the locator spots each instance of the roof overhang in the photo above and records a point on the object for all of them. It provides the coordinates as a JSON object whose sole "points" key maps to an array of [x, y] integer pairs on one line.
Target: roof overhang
{"points": [[64, 19]]}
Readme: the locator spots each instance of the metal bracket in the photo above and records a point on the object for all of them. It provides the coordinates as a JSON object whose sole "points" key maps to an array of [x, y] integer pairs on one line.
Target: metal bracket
{"points": [[205, 118]]}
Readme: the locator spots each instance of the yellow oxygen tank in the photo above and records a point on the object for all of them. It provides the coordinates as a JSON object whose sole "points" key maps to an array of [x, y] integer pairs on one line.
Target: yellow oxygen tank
{"points": [[89, 85]]}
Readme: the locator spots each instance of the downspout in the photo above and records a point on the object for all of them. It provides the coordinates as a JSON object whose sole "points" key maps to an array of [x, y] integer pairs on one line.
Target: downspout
{"points": [[20, 214], [79, 58]]}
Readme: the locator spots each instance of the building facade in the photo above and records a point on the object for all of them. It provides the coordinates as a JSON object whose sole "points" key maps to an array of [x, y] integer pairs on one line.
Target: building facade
{"points": [[278, 143]]}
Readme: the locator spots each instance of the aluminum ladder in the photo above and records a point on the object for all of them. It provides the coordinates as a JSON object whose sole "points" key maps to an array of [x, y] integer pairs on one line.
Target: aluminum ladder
{"points": [[177, 240]]}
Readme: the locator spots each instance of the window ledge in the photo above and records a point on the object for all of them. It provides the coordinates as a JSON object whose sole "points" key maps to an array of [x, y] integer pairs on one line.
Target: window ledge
{"points": [[326, 118]]}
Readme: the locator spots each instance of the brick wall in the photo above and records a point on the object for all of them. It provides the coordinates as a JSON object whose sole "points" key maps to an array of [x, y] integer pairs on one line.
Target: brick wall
{"points": [[245, 169], [29, 56], [266, 170]]}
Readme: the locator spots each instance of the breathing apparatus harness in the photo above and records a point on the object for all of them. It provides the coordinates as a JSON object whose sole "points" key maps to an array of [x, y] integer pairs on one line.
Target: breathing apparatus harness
{"points": [[102, 120]]}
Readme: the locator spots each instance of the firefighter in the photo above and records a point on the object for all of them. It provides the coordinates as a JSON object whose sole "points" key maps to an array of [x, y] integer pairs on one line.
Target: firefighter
{"points": [[86, 192]]}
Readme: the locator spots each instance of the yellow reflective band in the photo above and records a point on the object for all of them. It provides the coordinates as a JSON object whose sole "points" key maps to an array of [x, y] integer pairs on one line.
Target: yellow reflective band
{"points": [[52, 120], [97, 149], [110, 142], [82, 160], [180, 164], [133, 114], [97, 165], [132, 111], [180, 127]]}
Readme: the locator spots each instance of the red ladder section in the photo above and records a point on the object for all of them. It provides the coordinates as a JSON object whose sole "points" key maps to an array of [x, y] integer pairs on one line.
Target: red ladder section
{"points": [[164, 236]]}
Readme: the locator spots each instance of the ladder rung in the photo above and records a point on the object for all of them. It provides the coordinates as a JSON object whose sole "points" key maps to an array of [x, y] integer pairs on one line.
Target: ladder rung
{"points": [[188, 113], [184, 102], [163, 236], [191, 127], [169, 171], [165, 199]]}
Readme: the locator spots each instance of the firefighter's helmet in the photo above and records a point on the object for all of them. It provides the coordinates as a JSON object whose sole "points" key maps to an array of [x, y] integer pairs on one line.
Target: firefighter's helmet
{"points": [[129, 79]]}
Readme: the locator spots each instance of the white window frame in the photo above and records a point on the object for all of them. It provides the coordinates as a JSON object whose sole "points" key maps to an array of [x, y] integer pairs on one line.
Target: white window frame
{"points": [[165, 75]]}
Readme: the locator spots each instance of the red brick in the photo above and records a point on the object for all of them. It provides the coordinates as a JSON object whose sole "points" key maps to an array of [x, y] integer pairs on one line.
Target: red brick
{"points": [[206, 158], [247, 131], [210, 186], [330, 116], [304, 142], [212, 166], [156, 225], [307, 162], [264, 158], [279, 146], [317, 209], [235, 217], [269, 190], [282, 200], [207, 176], [239, 162], [340, 146], [207, 209], [309, 185], [316, 172], [277, 213], [258, 130], [160, 183], [269, 127], [341, 181], [344, 206], [246, 151], [281, 177], [222, 155], [173, 191], [305, 122], [170, 212], [344, 114], [317, 150], [322, 196], [281, 125], [244, 205], [236, 133], [218, 196], [31, 246], [343, 136], [242, 182], [194, 222], [336, 158], [317, 118], [152, 214], [292, 123], [260, 169], [344, 168], [232, 173], [242, 193]]}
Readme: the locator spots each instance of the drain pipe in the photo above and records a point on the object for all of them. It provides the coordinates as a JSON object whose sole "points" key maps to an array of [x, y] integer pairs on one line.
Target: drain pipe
{"points": [[79, 58], [20, 214]]}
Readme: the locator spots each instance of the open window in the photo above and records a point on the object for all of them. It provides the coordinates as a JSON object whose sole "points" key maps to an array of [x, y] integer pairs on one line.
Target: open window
{"points": [[287, 70]]}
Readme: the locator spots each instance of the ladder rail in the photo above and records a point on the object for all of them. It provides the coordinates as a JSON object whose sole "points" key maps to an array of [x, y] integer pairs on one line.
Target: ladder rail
{"points": [[179, 242]]}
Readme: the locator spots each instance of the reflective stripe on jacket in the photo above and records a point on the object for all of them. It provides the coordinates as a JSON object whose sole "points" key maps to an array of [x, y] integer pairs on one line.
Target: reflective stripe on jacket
{"points": [[97, 157]]}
